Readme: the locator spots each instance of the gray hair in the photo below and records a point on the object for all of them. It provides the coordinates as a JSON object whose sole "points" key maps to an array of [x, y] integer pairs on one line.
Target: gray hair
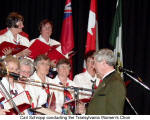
{"points": [[63, 61], [27, 62], [107, 55], [40, 58]]}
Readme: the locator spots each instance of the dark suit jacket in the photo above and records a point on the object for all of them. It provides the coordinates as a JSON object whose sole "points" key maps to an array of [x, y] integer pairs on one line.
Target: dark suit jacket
{"points": [[109, 97]]}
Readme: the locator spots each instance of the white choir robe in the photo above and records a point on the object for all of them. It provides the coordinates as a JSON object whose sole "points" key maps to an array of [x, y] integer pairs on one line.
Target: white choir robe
{"points": [[38, 93], [8, 37], [8, 86], [17, 87], [59, 92], [83, 80]]}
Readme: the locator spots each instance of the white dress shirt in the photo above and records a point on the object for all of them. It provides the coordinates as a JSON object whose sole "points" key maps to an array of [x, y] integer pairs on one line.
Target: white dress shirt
{"points": [[38, 93], [8, 37], [83, 80], [17, 88], [59, 93]]}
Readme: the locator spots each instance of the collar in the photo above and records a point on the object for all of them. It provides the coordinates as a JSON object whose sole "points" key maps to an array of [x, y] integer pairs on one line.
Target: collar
{"points": [[43, 40], [108, 73], [58, 80], [89, 75], [37, 78], [11, 37], [9, 33]]}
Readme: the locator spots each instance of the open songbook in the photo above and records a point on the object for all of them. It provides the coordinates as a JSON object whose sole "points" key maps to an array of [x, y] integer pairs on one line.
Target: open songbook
{"points": [[21, 102], [15, 48], [38, 48], [45, 111]]}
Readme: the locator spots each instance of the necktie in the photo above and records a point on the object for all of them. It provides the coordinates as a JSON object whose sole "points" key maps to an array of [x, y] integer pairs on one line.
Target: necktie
{"points": [[48, 94], [14, 92]]}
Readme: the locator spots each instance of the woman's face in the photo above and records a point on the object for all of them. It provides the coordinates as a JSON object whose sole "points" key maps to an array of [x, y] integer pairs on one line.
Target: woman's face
{"points": [[13, 67], [43, 67], [90, 64], [20, 26], [46, 30], [63, 70], [25, 70]]}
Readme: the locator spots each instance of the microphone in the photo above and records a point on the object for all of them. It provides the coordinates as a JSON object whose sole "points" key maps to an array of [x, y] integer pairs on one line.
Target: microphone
{"points": [[4, 72], [121, 69]]}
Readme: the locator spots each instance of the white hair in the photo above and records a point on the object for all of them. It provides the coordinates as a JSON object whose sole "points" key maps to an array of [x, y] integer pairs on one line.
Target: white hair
{"points": [[107, 55], [27, 62]]}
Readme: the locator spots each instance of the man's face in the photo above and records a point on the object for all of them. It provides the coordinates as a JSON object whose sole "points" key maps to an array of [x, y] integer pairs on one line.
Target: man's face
{"points": [[98, 66]]}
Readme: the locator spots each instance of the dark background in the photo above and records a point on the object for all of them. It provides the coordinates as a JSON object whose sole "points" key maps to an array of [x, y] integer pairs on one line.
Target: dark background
{"points": [[136, 34]]}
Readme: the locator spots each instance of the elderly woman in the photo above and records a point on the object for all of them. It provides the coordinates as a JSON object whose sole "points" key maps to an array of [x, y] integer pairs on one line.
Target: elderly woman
{"points": [[26, 70], [42, 65], [12, 65], [15, 25], [46, 28], [63, 95]]}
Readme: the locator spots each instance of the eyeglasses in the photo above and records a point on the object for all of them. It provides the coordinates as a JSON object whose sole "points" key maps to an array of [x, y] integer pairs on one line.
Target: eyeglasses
{"points": [[26, 72], [64, 66], [46, 64], [91, 61]]}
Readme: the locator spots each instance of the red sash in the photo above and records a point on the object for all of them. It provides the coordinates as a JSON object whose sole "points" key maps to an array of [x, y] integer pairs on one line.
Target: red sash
{"points": [[29, 98]]}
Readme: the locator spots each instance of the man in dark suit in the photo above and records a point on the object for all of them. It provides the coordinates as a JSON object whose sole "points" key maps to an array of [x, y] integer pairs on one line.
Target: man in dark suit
{"points": [[109, 97]]}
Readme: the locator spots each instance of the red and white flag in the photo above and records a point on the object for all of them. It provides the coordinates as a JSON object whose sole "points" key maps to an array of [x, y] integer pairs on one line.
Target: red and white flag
{"points": [[67, 34], [92, 31]]}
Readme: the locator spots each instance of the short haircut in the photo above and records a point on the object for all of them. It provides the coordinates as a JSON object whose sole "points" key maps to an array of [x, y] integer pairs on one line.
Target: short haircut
{"points": [[12, 19], [107, 55], [10, 58], [89, 54], [27, 62], [39, 58], [63, 61], [44, 22]]}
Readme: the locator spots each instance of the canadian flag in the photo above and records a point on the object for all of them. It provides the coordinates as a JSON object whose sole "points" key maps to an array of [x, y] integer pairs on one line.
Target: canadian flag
{"points": [[92, 31]]}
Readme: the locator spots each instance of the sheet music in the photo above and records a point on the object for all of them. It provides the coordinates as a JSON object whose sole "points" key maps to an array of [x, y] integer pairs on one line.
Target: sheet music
{"points": [[21, 98]]}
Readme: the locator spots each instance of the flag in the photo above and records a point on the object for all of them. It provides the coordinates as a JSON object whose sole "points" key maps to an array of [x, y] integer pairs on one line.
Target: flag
{"points": [[116, 35], [92, 31], [67, 35]]}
